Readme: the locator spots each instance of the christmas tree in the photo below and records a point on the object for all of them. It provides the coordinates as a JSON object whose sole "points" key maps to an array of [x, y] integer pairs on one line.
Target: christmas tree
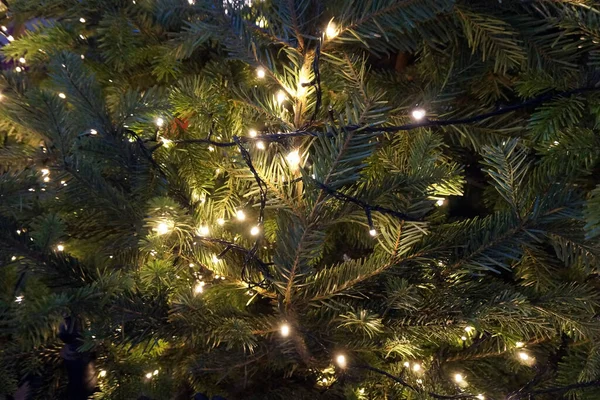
{"points": [[300, 199]]}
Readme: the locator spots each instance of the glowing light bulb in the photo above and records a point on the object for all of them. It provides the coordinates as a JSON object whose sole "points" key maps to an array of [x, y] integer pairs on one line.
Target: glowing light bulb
{"points": [[46, 179], [4, 28], [10, 38], [240, 215], [480, 397], [191, 2], [463, 338], [252, 133], [82, 20], [372, 232], [458, 378], [440, 202], [19, 299], [203, 230], [220, 221], [416, 367], [280, 97], [210, 148], [260, 72], [469, 329], [418, 114], [255, 230], [159, 122], [341, 361], [519, 344], [162, 228], [214, 258], [199, 288], [331, 31], [13, 258], [62, 95], [18, 69], [556, 143], [406, 364], [102, 373], [45, 171], [166, 142], [260, 145], [285, 330], [523, 356], [22, 60], [60, 247], [293, 159], [93, 132], [155, 372], [149, 375]]}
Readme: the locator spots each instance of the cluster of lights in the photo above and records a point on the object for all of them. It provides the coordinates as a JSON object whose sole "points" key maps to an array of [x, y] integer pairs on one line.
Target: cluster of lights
{"points": [[149, 375]]}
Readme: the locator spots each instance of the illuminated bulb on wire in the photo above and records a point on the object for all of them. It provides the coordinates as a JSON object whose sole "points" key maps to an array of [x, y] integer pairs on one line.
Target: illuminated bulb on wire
{"points": [[159, 122], [149, 375], [102, 373], [19, 299], [46, 179], [220, 221], [341, 361], [463, 338], [60, 247], [280, 97], [166, 142], [45, 171], [82, 20], [372, 232], [260, 72], [62, 95], [93, 132], [293, 159], [255, 230], [240, 215], [285, 330], [10, 38], [418, 114], [458, 378], [480, 397], [203, 230], [469, 329], [18, 69], [416, 367], [215, 259], [406, 364], [191, 2], [13, 258], [440, 202], [523, 356], [199, 288], [519, 344], [252, 133], [331, 31], [162, 228], [4, 28], [260, 145], [22, 60], [155, 372]]}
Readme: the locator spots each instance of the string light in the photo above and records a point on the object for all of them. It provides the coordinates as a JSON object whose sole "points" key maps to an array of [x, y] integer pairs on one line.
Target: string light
{"points": [[82, 20], [240, 215], [293, 159], [102, 373], [93, 132], [458, 378], [45, 171], [469, 329], [331, 31], [203, 230], [19, 69], [19, 299], [372, 232], [260, 72], [4, 28], [255, 230], [13, 258], [22, 60], [341, 361], [149, 375], [406, 364], [162, 228], [62, 95], [155, 372], [46, 179], [418, 114], [285, 330], [416, 367], [280, 97], [480, 397], [10, 38], [440, 202], [524, 356], [199, 288], [519, 344], [191, 2], [60, 247], [159, 122], [210, 148], [260, 145], [252, 133], [463, 338], [220, 221], [166, 142], [215, 259]]}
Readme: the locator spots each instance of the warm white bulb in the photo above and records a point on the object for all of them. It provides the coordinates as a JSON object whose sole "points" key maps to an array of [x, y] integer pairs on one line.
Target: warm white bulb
{"points": [[372, 232], [162, 228], [166, 142], [45, 171], [19, 299], [149, 375], [331, 31], [191, 2], [523, 356], [210, 148], [280, 97], [214, 258], [469, 329], [199, 288], [285, 330], [155, 372], [341, 361], [203, 230], [82, 20], [22, 60], [255, 230], [440, 202], [62, 95], [4, 28], [519, 344], [159, 122], [18, 69], [46, 179], [10, 38], [220, 221], [13, 258], [480, 397], [252, 133], [416, 367], [463, 338], [293, 159], [60, 247], [240, 215], [260, 145], [102, 373], [406, 364], [260, 72], [418, 114], [93, 132], [458, 378]]}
